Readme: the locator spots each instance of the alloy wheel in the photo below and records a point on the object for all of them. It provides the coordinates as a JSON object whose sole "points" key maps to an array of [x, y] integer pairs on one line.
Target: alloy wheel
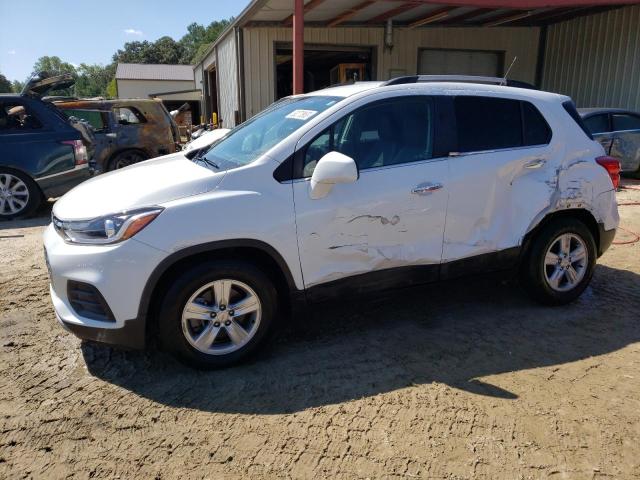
{"points": [[14, 194], [565, 263], [221, 317]]}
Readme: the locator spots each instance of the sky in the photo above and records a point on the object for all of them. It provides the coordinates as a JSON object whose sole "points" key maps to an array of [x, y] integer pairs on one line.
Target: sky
{"points": [[90, 31]]}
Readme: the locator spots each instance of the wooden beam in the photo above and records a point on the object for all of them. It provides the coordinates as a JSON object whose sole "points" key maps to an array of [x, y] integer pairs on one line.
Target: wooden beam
{"points": [[460, 19], [383, 17], [351, 12], [506, 18], [433, 16], [307, 8]]}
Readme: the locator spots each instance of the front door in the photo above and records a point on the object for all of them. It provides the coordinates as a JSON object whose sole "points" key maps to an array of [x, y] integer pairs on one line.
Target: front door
{"points": [[393, 215]]}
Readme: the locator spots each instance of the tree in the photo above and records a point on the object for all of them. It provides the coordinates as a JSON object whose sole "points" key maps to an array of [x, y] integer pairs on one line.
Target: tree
{"points": [[5, 85], [165, 50], [17, 86], [53, 66], [93, 80], [112, 89]]}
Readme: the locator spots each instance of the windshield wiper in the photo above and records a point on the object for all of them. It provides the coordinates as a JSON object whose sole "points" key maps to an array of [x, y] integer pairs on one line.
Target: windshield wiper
{"points": [[204, 159]]}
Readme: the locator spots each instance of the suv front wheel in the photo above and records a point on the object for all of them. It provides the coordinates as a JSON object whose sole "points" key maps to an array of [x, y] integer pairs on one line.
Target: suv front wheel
{"points": [[560, 262], [217, 313]]}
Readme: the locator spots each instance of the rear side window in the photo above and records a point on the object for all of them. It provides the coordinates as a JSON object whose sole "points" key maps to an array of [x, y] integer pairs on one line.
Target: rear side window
{"points": [[623, 121], [94, 117], [488, 123], [16, 117], [598, 123], [128, 115], [573, 113], [535, 127]]}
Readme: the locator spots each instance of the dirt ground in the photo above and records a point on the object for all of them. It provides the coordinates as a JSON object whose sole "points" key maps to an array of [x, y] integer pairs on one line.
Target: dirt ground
{"points": [[467, 380]]}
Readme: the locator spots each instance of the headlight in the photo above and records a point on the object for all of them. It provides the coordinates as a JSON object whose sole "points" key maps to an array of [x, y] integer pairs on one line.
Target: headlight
{"points": [[108, 229]]}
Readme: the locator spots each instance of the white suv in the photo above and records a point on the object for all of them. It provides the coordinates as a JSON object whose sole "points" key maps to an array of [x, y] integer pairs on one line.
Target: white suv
{"points": [[337, 192]]}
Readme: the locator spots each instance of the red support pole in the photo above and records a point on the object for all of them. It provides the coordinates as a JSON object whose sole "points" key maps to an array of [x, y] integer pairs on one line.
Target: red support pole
{"points": [[298, 47]]}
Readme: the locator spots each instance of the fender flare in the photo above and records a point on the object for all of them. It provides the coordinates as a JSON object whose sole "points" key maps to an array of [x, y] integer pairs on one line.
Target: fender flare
{"points": [[209, 247]]}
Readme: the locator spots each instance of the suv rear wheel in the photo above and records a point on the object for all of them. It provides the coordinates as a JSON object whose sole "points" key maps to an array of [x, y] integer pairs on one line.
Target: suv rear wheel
{"points": [[560, 262], [126, 158], [19, 195], [217, 313]]}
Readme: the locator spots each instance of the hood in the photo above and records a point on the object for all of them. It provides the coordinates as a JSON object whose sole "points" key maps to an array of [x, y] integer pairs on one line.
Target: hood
{"points": [[141, 185], [40, 84]]}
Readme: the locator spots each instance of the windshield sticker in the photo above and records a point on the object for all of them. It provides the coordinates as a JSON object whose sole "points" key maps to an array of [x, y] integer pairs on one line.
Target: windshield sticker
{"points": [[302, 114]]}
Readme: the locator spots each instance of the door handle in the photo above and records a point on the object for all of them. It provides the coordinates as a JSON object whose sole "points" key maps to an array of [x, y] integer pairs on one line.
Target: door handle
{"points": [[537, 163], [426, 188]]}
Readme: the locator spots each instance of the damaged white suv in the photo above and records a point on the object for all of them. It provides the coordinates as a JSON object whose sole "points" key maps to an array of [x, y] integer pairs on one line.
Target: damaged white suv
{"points": [[340, 191]]}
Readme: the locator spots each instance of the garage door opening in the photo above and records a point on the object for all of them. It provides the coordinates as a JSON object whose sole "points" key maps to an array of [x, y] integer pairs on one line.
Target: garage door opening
{"points": [[323, 66], [439, 61]]}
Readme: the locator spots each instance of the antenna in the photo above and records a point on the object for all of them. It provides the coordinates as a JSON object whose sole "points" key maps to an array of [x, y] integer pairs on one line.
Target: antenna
{"points": [[504, 80]]}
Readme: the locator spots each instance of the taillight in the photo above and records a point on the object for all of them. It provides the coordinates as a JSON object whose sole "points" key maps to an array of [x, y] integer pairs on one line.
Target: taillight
{"points": [[612, 166], [79, 151]]}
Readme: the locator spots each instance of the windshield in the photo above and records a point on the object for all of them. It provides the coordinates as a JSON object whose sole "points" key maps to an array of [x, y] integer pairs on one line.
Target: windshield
{"points": [[248, 141]]}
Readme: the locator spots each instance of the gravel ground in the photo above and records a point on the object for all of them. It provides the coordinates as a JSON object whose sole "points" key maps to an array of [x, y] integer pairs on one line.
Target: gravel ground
{"points": [[465, 380]]}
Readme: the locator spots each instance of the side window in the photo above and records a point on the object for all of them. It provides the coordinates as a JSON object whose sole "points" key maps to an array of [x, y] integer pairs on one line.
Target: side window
{"points": [[93, 117], [623, 121], [16, 117], [535, 127], [487, 123], [128, 115], [598, 123], [389, 132]]}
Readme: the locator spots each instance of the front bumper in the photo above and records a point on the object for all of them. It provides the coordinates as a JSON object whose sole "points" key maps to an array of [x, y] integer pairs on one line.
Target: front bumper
{"points": [[130, 335], [119, 272]]}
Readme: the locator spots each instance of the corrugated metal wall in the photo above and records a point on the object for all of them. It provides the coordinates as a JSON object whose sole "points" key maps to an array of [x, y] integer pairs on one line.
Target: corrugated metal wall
{"points": [[259, 51], [596, 59], [228, 80]]}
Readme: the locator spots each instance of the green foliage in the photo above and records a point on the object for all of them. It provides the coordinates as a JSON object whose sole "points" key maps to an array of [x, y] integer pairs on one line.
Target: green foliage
{"points": [[17, 86], [99, 80], [112, 89], [53, 66], [93, 80], [5, 85], [189, 49]]}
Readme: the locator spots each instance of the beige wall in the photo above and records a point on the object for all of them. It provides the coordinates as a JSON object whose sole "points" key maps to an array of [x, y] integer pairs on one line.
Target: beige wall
{"points": [[596, 59], [259, 51], [144, 88], [228, 80]]}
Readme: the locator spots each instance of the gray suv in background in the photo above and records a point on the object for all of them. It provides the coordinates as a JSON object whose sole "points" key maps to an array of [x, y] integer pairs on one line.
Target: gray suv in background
{"points": [[618, 131]]}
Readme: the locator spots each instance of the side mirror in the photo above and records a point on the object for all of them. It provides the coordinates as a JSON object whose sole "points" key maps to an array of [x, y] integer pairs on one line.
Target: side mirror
{"points": [[332, 169]]}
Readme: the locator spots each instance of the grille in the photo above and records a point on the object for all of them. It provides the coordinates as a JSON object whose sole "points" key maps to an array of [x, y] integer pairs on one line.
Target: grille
{"points": [[87, 302]]}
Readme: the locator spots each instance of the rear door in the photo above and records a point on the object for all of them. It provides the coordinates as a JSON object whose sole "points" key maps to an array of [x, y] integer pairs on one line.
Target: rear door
{"points": [[393, 215], [498, 176], [626, 140], [30, 142]]}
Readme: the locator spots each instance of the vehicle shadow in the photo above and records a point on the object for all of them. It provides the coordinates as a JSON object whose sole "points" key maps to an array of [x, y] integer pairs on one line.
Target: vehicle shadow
{"points": [[454, 334], [40, 219]]}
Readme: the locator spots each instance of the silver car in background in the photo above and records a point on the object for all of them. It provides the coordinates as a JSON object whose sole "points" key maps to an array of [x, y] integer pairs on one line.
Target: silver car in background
{"points": [[619, 133]]}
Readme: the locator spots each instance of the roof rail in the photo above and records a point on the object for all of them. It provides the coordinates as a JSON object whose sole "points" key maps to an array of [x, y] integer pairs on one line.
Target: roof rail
{"points": [[457, 78]]}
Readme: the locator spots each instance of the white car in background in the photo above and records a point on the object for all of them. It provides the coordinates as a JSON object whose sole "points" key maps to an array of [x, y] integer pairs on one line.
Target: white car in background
{"points": [[206, 139], [335, 193]]}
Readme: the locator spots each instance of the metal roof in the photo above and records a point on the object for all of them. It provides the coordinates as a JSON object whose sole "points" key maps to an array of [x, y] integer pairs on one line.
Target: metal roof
{"points": [[138, 71], [419, 13]]}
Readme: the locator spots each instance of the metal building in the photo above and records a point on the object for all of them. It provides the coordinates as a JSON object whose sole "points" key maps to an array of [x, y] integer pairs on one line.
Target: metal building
{"points": [[589, 49]]}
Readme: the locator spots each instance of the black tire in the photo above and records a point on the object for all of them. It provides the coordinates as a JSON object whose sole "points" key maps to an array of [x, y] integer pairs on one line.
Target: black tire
{"points": [[187, 284], [34, 195], [533, 269], [126, 158]]}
